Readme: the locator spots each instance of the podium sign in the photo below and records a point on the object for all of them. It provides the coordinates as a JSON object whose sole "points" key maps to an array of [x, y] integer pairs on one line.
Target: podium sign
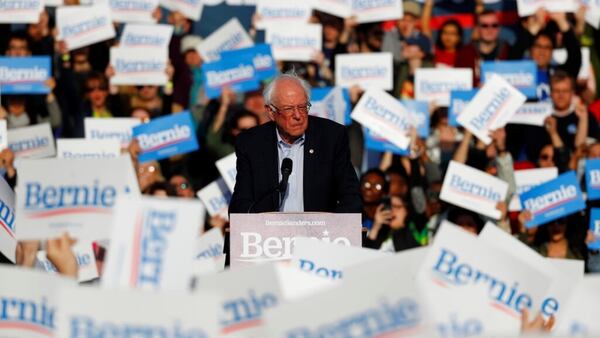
{"points": [[257, 238]]}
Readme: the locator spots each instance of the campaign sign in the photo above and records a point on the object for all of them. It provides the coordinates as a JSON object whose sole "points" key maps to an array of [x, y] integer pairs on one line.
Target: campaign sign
{"points": [[595, 228], [297, 42], [532, 114], [133, 10], [230, 36], [578, 319], [473, 189], [86, 261], [367, 70], [216, 197], [267, 237], [592, 178], [375, 11], [191, 9], [34, 141], [24, 75], [80, 26], [117, 128], [262, 58], [8, 242], [374, 141], [382, 113], [237, 74], [492, 107], [331, 103], [554, 199], [592, 13], [140, 35], [527, 179], [458, 101], [227, 169], [138, 66], [54, 196], [88, 312], [21, 11], [152, 243], [435, 84], [248, 293], [520, 74], [328, 260], [166, 136], [339, 8], [529, 7], [3, 135], [82, 148], [282, 12], [209, 245], [458, 260], [30, 302], [419, 112]]}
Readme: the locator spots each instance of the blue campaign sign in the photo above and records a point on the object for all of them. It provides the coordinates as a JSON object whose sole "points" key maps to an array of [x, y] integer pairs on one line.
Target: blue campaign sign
{"points": [[166, 136], [595, 228], [592, 179], [24, 75], [318, 94], [458, 101], [521, 74], [553, 199], [262, 59], [237, 74], [420, 114], [377, 143]]}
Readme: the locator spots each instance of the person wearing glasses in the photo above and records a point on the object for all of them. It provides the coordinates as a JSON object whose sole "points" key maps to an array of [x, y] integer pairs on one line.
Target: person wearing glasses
{"points": [[487, 46], [322, 177]]}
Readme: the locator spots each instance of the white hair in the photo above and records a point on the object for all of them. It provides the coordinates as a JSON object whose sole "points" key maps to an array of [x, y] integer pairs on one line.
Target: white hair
{"points": [[291, 75]]}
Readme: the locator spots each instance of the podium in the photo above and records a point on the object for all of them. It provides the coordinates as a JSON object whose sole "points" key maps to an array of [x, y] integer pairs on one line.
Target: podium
{"points": [[265, 237]]}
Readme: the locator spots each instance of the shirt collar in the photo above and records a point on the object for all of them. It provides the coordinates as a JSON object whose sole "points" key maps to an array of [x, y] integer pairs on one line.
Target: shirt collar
{"points": [[280, 140]]}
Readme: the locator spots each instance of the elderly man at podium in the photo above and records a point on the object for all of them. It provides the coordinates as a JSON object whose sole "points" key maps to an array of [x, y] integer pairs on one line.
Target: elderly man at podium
{"points": [[295, 162]]}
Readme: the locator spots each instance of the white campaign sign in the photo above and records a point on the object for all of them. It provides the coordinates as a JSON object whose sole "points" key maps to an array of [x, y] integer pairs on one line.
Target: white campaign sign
{"points": [[282, 12], [242, 309], [132, 10], [215, 198], [152, 243], [8, 242], [230, 36], [578, 318], [81, 26], [592, 13], [532, 114], [367, 70], [21, 11], [459, 259], [491, 108], [375, 11], [328, 260], [410, 260], [139, 66], [297, 42], [382, 113], [435, 85], [140, 35], [529, 7], [191, 9], [34, 141], [82, 148], [297, 284], [527, 179], [30, 302], [69, 201], [118, 128], [227, 169], [209, 245], [341, 8], [126, 313], [473, 189], [86, 261], [3, 135]]}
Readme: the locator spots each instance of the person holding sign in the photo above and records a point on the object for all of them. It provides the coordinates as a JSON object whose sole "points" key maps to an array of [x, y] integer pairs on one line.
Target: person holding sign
{"points": [[296, 162]]}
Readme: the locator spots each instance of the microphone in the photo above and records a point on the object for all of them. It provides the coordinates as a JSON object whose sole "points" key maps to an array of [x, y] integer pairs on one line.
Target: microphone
{"points": [[286, 171]]}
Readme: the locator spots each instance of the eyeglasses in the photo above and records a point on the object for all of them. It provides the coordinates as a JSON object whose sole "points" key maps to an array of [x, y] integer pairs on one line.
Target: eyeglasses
{"points": [[544, 47], [149, 169], [376, 186], [302, 109], [183, 186], [94, 88], [488, 25]]}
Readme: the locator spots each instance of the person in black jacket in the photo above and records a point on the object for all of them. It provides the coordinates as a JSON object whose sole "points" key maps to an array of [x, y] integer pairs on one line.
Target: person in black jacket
{"points": [[322, 178]]}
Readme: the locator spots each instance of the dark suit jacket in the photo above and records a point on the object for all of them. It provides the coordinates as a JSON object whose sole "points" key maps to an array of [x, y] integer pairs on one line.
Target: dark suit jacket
{"points": [[330, 183]]}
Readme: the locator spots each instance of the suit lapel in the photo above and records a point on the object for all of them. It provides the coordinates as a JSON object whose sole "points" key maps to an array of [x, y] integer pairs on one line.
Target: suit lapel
{"points": [[270, 158], [310, 158]]}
